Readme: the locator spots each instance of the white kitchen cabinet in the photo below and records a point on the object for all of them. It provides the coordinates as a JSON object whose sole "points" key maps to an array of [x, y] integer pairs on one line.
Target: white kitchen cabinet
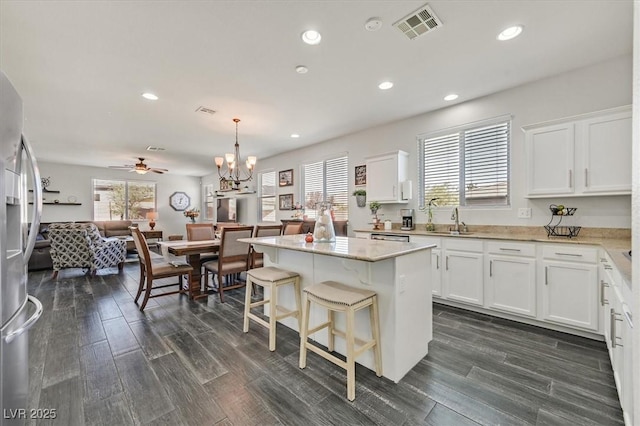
{"points": [[436, 262], [462, 274], [387, 178], [550, 159], [569, 278], [583, 155], [606, 154], [510, 278]]}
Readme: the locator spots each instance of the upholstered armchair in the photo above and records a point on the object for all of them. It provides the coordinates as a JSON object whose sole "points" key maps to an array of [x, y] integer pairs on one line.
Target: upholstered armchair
{"points": [[79, 245]]}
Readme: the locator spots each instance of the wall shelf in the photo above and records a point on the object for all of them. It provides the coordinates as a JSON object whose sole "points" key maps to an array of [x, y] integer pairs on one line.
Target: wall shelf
{"points": [[59, 204], [47, 190]]}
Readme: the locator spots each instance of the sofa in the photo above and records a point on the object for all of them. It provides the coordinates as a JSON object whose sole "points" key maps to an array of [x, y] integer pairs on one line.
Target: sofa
{"points": [[41, 257]]}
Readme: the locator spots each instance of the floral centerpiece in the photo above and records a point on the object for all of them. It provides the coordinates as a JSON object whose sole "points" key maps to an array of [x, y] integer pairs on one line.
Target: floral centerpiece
{"points": [[192, 214]]}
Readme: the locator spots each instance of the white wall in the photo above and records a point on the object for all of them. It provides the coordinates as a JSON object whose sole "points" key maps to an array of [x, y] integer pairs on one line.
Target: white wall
{"points": [[594, 88], [76, 181]]}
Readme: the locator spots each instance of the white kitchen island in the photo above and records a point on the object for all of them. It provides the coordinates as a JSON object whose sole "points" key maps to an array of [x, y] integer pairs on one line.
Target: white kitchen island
{"points": [[400, 273]]}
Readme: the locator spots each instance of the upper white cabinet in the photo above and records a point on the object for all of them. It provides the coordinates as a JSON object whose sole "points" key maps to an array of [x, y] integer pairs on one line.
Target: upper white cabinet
{"points": [[583, 155], [387, 178]]}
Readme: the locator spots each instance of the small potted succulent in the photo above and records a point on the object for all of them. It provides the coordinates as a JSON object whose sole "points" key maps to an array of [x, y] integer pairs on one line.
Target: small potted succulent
{"points": [[361, 197], [374, 206]]}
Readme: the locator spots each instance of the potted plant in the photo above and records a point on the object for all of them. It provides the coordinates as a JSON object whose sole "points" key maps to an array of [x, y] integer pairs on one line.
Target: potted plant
{"points": [[374, 206], [361, 197]]}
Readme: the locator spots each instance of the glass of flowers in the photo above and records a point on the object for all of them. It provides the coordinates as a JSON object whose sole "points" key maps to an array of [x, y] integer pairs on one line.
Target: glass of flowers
{"points": [[192, 214]]}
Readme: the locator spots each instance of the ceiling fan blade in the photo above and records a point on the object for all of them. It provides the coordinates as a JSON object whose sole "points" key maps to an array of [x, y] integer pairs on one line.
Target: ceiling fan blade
{"points": [[159, 171], [120, 167]]}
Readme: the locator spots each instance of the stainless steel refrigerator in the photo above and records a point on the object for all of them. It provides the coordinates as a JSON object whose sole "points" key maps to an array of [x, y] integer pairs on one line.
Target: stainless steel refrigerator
{"points": [[18, 310]]}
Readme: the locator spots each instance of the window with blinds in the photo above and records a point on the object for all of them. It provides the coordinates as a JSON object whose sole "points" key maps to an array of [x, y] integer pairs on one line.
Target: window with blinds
{"points": [[327, 181], [467, 166], [267, 196]]}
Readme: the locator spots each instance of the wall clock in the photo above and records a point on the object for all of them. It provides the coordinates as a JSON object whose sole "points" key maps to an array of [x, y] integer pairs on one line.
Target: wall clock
{"points": [[179, 201]]}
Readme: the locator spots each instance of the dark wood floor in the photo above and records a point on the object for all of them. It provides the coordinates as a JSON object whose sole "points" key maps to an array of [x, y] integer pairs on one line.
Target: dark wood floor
{"points": [[98, 360]]}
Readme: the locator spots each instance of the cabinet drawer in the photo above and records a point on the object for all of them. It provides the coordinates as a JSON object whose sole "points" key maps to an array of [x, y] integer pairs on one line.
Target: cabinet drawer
{"points": [[426, 240], [463, 244], [510, 248], [570, 253]]}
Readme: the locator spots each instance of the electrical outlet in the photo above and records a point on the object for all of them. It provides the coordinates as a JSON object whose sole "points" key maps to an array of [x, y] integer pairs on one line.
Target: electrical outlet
{"points": [[524, 213]]}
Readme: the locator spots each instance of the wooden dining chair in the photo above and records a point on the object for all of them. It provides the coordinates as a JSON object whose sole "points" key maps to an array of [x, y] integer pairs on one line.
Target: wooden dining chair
{"points": [[151, 271], [292, 228], [202, 232], [256, 258], [233, 258]]}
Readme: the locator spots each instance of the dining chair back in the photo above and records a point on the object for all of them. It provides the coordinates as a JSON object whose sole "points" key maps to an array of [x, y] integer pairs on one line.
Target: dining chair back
{"points": [[150, 271], [202, 232], [292, 228], [233, 258], [257, 260]]}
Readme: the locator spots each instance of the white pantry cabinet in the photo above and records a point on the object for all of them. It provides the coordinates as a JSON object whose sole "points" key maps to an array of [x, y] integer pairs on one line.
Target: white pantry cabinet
{"points": [[510, 277], [462, 274], [386, 175], [569, 276], [583, 155]]}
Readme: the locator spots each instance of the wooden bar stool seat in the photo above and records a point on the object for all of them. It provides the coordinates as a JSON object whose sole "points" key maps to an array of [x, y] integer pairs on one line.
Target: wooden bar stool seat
{"points": [[337, 297], [270, 277]]}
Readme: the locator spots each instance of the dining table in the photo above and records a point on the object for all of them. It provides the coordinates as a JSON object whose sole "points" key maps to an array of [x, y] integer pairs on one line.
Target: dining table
{"points": [[192, 251]]}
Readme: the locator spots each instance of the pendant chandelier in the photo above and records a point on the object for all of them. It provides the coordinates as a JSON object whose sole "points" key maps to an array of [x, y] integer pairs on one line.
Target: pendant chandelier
{"points": [[232, 173]]}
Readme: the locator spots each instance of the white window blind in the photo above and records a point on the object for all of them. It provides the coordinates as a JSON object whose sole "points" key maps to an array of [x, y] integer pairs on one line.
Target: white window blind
{"points": [[467, 166], [326, 181], [267, 196]]}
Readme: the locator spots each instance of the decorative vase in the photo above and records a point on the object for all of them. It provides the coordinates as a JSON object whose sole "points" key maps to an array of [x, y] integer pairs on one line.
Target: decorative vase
{"points": [[361, 200], [430, 226], [193, 219], [323, 231]]}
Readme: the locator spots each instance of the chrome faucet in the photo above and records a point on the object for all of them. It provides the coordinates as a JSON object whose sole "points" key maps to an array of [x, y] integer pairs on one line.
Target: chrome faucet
{"points": [[455, 217]]}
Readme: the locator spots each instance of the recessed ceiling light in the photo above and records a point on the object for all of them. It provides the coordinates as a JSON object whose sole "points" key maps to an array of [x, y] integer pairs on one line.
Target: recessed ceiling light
{"points": [[150, 96], [295, 135], [301, 69], [311, 37], [451, 97], [511, 32], [385, 85]]}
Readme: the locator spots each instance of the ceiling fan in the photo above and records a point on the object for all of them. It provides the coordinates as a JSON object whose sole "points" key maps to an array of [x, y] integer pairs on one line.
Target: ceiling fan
{"points": [[139, 168]]}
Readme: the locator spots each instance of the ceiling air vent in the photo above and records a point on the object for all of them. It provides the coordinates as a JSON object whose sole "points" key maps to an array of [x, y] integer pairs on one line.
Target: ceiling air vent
{"points": [[154, 148], [205, 110], [419, 22]]}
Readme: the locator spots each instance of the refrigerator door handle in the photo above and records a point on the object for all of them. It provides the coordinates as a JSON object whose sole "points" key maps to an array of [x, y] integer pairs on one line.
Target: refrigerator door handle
{"points": [[37, 200], [29, 323]]}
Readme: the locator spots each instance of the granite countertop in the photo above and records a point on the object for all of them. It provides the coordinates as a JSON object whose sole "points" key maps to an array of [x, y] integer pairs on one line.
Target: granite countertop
{"points": [[614, 241], [345, 247]]}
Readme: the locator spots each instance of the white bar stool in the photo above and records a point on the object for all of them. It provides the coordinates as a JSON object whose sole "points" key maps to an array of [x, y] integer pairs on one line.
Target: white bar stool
{"points": [[271, 278], [338, 297]]}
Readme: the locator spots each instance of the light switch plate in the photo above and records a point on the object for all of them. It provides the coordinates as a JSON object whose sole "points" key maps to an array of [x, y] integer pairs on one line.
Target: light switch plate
{"points": [[524, 213]]}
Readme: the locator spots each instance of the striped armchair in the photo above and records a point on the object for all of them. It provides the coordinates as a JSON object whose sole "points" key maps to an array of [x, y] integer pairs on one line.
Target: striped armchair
{"points": [[79, 245]]}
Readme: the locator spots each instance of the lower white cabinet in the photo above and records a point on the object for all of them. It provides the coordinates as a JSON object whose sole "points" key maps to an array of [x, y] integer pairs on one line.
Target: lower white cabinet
{"points": [[511, 284], [436, 262], [462, 274], [569, 293]]}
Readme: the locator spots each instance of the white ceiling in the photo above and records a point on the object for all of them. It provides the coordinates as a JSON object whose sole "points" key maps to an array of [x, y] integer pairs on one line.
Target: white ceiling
{"points": [[81, 66]]}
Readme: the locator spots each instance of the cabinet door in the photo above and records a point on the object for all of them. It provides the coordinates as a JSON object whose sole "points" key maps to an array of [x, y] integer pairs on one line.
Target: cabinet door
{"points": [[550, 152], [436, 272], [604, 148], [627, 395], [382, 178], [570, 294], [463, 278], [511, 285]]}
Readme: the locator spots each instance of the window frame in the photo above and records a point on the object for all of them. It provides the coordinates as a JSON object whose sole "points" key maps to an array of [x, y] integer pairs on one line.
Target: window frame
{"points": [[344, 156], [126, 182], [460, 130], [261, 196]]}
